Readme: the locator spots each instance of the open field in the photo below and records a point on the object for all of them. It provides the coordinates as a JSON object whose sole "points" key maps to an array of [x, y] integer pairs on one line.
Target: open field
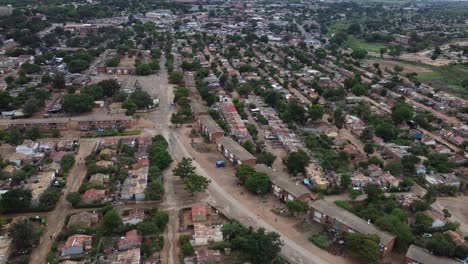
{"points": [[127, 61], [407, 68], [354, 43], [446, 77]]}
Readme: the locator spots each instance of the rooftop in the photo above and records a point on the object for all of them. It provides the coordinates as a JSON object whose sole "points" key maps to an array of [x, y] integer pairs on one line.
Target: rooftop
{"points": [[280, 179], [422, 255], [235, 148], [351, 220], [210, 124]]}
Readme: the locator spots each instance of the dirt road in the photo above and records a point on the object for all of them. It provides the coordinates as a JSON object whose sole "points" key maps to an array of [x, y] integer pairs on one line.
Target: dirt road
{"points": [[55, 218]]}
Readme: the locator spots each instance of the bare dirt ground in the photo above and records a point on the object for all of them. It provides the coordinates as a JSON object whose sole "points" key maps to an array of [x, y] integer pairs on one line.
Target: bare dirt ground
{"points": [[407, 68], [260, 205], [127, 62], [456, 206], [55, 218]]}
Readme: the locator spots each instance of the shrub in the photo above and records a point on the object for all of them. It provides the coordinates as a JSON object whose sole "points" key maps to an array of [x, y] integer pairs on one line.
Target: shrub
{"points": [[345, 205], [320, 240]]}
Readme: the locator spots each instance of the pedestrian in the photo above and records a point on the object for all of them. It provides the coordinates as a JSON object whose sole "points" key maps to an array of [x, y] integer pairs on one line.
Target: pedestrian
{"points": [[276, 219]]}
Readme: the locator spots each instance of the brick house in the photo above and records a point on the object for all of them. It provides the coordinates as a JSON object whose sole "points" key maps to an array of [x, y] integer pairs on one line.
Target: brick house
{"points": [[235, 152], [324, 212]]}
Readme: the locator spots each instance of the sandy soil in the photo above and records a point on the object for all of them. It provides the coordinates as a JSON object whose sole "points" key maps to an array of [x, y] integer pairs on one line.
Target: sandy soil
{"points": [[457, 206], [391, 64]]}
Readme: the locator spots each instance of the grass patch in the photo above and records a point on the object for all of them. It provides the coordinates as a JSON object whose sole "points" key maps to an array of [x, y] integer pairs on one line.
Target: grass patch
{"points": [[345, 205], [320, 240], [355, 43]]}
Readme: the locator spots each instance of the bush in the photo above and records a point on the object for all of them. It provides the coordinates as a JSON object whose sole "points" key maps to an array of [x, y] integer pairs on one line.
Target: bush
{"points": [[320, 240], [345, 205]]}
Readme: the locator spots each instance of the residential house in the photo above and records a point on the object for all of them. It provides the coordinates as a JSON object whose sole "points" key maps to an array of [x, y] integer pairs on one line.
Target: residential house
{"points": [[102, 122], [326, 212], [93, 195], [235, 152], [199, 212], [134, 186], [130, 256], [282, 187], [99, 179], [236, 126], [315, 172], [43, 124], [134, 217], [205, 256], [388, 180], [210, 128], [130, 240], [442, 179], [198, 109], [77, 244], [395, 152], [17, 158], [418, 255], [438, 217], [359, 180], [204, 235], [83, 220]]}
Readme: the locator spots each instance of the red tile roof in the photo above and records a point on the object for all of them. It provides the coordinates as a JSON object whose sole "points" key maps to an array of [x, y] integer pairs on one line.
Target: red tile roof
{"points": [[93, 194]]}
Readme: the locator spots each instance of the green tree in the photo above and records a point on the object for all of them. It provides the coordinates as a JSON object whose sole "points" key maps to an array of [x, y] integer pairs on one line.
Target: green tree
{"points": [[385, 130], [32, 106], [159, 156], [402, 112], [16, 200], [5, 99], [359, 54], [109, 87], [258, 183], [315, 112], [142, 99], [67, 162], [196, 183], [266, 158], [176, 77], [154, 191], [22, 234], [397, 227], [363, 247], [339, 118], [249, 146], [111, 222], [439, 162], [359, 90], [296, 162], [260, 247], [369, 148], [297, 206], [76, 66], [58, 81], [345, 181], [244, 171], [49, 198], [76, 103], [143, 69], [74, 198], [184, 168], [422, 222], [33, 133], [130, 107]]}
